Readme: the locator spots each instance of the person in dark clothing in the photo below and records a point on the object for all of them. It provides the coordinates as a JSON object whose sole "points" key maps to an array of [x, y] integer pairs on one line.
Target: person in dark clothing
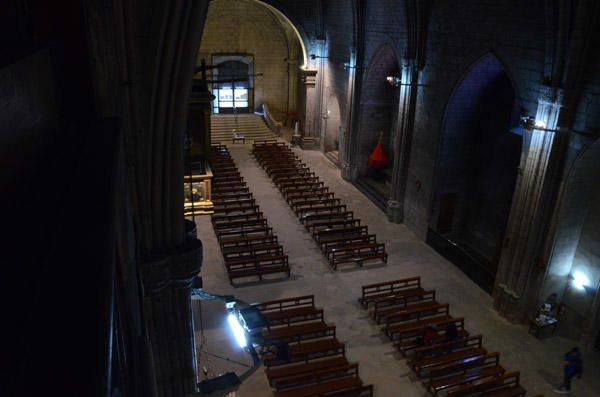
{"points": [[573, 366], [451, 333]]}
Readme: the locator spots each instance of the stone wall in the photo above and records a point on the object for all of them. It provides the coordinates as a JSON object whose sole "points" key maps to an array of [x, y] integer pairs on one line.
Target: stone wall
{"points": [[246, 27]]}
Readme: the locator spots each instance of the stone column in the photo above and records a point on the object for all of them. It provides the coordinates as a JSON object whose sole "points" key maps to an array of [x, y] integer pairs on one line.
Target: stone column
{"points": [[404, 128], [166, 282], [519, 261], [348, 153], [308, 83]]}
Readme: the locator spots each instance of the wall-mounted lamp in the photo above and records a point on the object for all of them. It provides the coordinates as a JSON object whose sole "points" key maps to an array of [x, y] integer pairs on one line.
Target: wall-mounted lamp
{"points": [[396, 81], [530, 123]]}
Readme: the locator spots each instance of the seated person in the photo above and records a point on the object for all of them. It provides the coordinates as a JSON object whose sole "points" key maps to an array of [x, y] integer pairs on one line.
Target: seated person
{"points": [[428, 336], [451, 332]]}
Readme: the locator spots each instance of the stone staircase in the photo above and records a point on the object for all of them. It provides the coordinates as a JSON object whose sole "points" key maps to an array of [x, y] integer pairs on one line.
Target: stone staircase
{"points": [[250, 126]]}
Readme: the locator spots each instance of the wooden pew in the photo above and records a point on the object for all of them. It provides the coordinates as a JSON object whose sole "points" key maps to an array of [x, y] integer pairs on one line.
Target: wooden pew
{"points": [[224, 206], [418, 311], [258, 267], [224, 227], [247, 241], [296, 333], [333, 224], [242, 254], [371, 292], [442, 354], [407, 334], [309, 198], [489, 367], [286, 371], [323, 387], [229, 220], [301, 193], [333, 234], [442, 373], [316, 376], [357, 253], [224, 194], [308, 351], [246, 208], [231, 197], [245, 231], [505, 385], [313, 206], [388, 305], [290, 310], [326, 219]]}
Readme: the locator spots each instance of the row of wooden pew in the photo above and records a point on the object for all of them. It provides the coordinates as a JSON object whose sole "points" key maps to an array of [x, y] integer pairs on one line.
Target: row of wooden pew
{"points": [[340, 235], [453, 362], [248, 244], [302, 355]]}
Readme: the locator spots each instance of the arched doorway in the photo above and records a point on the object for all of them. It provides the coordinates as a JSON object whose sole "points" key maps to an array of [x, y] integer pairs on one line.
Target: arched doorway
{"points": [[379, 112], [267, 50], [235, 91], [477, 171], [332, 124]]}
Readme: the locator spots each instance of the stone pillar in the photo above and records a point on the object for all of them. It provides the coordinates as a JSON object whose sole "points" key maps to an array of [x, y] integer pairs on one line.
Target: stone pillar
{"points": [[308, 83], [348, 153], [519, 260], [404, 128], [168, 313], [199, 121]]}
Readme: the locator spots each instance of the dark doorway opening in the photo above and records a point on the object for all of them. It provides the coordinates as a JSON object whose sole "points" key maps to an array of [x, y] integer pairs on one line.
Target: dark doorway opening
{"points": [[477, 171], [234, 93]]}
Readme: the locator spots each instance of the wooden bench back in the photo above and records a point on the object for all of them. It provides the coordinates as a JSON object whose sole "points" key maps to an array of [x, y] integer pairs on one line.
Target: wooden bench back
{"points": [[390, 286], [282, 304], [487, 385]]}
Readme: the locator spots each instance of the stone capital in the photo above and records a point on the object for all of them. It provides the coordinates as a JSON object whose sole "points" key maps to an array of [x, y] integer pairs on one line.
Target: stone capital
{"points": [[551, 95], [176, 268]]}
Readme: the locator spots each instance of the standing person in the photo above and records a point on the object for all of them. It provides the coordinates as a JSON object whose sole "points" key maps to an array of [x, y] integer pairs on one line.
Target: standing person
{"points": [[573, 366]]}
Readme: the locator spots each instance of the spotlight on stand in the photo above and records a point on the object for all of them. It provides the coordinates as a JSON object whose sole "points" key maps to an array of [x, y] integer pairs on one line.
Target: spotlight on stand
{"points": [[580, 281], [237, 330], [246, 323]]}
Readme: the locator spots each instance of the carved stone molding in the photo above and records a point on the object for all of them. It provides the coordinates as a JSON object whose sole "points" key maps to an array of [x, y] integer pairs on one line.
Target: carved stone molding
{"points": [[176, 268], [308, 76], [551, 95]]}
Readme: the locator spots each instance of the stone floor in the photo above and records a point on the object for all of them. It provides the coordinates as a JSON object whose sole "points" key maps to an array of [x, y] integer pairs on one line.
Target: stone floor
{"points": [[540, 361]]}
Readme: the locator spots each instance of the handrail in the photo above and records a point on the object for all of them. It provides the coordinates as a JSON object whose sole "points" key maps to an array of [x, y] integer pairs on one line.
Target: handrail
{"points": [[273, 124]]}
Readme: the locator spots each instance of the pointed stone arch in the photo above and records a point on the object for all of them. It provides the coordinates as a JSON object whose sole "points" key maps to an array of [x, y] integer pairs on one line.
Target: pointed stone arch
{"points": [[476, 173], [378, 116]]}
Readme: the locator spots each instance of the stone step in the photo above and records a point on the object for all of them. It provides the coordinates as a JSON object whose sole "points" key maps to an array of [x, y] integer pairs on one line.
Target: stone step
{"points": [[251, 126]]}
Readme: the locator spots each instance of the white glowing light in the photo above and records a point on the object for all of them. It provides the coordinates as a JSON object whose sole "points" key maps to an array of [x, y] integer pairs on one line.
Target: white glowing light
{"points": [[580, 280], [238, 331], [540, 124]]}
